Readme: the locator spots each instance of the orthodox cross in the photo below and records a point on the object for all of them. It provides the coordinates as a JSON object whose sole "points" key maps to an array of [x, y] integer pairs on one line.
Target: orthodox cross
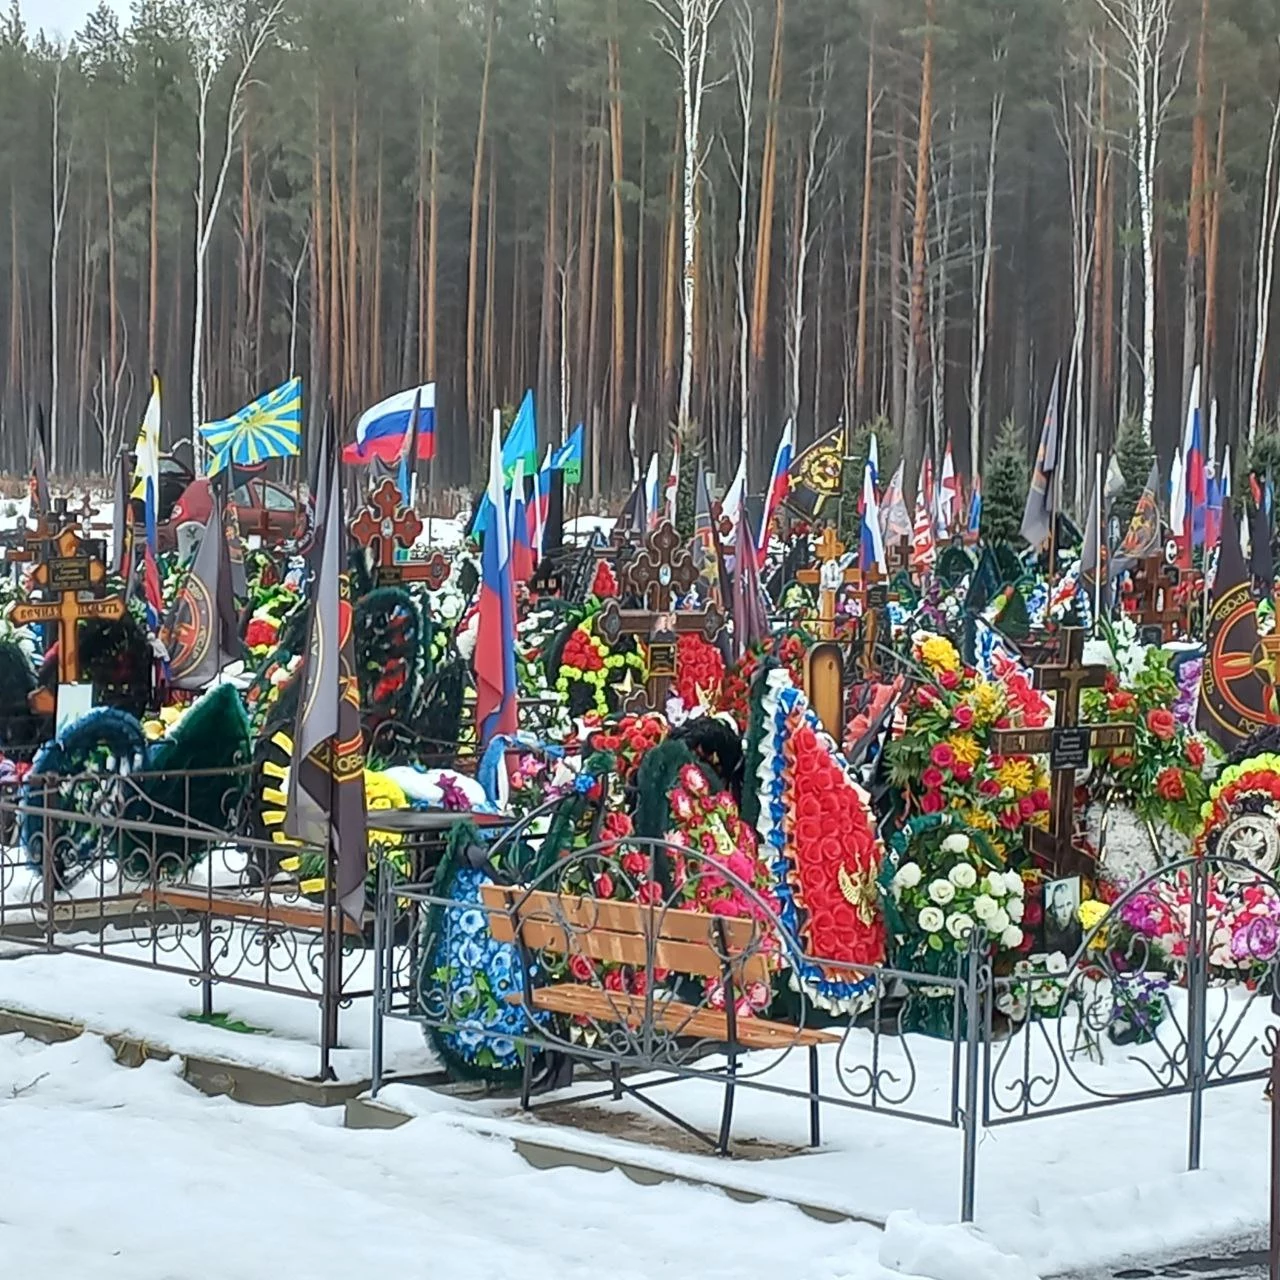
{"points": [[662, 568], [897, 556], [1067, 744], [395, 527], [1155, 584], [69, 572], [828, 577]]}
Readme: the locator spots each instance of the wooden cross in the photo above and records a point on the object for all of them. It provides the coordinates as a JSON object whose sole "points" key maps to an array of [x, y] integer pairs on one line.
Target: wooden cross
{"points": [[661, 568], [828, 578], [1067, 744], [395, 527], [69, 572], [873, 595], [1155, 584], [897, 556]]}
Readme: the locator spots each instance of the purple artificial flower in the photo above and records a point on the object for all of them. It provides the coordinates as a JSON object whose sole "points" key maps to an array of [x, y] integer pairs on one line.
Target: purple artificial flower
{"points": [[452, 795], [1184, 705]]}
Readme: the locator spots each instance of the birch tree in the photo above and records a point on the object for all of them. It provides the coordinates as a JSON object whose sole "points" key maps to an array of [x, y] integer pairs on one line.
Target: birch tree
{"points": [[687, 38], [744, 67], [60, 174], [214, 43], [1143, 27]]}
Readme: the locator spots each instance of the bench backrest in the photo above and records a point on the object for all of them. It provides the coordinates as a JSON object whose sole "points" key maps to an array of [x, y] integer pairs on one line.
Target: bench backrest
{"points": [[690, 942]]}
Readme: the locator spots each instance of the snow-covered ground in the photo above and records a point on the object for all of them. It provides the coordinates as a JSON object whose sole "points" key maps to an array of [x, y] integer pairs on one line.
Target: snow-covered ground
{"points": [[111, 1174]]}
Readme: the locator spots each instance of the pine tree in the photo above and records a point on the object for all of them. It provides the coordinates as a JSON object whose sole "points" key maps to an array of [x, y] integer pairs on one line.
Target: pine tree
{"points": [[1135, 456], [686, 488], [1004, 491]]}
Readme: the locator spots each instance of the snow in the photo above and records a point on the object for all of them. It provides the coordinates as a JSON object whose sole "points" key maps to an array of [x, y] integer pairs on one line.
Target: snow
{"points": [[952, 1252], [1057, 1194], [112, 1174], [581, 528], [1061, 1193], [148, 1005]]}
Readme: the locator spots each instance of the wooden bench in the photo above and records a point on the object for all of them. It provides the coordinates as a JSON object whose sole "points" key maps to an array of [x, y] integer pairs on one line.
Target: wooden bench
{"points": [[695, 943], [289, 915]]}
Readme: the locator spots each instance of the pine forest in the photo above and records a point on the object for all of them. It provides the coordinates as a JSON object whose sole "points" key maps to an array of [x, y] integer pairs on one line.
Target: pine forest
{"points": [[716, 213]]}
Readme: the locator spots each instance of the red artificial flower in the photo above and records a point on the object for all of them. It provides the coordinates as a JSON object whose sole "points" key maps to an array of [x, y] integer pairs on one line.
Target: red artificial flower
{"points": [[615, 980], [949, 680], [1122, 759], [649, 893], [1040, 798], [582, 968], [932, 778], [1121, 700], [1195, 753], [962, 716], [932, 802], [989, 787], [603, 885], [1111, 684], [1169, 784], [1027, 807], [639, 983], [635, 864], [942, 755], [1162, 724], [962, 772], [1011, 818]]}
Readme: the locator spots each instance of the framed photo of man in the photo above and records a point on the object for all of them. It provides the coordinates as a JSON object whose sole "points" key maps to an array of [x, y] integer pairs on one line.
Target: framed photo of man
{"points": [[1062, 928]]}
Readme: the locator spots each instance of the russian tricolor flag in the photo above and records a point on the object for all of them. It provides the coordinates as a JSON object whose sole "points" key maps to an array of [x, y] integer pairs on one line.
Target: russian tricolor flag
{"points": [[381, 430], [1196, 480], [495, 656], [147, 487], [872, 548], [779, 483]]}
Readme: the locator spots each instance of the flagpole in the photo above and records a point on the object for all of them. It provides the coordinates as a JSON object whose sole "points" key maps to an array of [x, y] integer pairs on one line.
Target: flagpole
{"points": [[1098, 558]]}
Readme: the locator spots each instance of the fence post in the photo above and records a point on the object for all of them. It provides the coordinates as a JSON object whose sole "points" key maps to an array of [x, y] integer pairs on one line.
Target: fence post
{"points": [[973, 1045], [379, 961], [1197, 996], [1273, 1046]]}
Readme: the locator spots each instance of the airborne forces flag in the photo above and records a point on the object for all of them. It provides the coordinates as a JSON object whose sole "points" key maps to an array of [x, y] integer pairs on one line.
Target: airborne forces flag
{"points": [[1237, 688], [326, 782]]}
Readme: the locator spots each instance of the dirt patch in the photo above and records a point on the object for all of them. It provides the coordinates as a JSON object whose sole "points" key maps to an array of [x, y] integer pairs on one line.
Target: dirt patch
{"points": [[651, 1131]]}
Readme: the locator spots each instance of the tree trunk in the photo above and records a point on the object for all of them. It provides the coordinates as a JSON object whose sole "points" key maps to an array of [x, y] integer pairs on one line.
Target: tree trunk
{"points": [[897, 313], [913, 427], [864, 256], [1211, 258], [619, 245], [477, 174], [1195, 219]]}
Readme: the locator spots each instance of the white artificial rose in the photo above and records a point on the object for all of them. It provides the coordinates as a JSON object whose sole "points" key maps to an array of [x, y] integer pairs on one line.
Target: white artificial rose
{"points": [[994, 885], [963, 876], [1011, 938], [984, 907], [960, 925], [998, 922], [958, 843], [1014, 881], [942, 892], [1015, 907], [1056, 963], [931, 919], [908, 876]]}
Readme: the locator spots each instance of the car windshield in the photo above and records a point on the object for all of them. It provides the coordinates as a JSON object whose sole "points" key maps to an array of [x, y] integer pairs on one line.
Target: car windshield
{"points": [[241, 497]]}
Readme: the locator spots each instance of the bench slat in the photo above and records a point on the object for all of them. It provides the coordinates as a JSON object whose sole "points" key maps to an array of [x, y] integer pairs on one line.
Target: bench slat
{"points": [[543, 930], [675, 1017], [264, 909], [625, 917]]}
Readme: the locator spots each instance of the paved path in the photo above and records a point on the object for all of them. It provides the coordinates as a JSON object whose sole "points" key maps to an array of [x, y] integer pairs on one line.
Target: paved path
{"points": [[1243, 1260]]}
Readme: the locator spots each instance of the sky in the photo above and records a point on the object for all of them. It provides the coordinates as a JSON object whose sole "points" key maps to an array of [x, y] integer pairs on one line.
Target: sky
{"points": [[63, 17]]}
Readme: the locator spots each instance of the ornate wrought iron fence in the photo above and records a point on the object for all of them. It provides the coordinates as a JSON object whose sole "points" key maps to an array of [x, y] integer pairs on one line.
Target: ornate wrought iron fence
{"points": [[1002, 1052]]}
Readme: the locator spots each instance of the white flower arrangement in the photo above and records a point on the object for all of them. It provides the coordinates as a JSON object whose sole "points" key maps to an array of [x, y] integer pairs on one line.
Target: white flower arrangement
{"points": [[957, 843], [963, 875], [943, 892]]}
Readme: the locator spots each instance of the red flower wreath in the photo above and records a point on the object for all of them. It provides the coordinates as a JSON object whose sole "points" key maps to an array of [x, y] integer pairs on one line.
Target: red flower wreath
{"points": [[699, 670]]}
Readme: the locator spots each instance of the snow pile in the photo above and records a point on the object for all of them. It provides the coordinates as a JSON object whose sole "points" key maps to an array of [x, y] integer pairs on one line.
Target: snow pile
{"points": [[930, 1252]]}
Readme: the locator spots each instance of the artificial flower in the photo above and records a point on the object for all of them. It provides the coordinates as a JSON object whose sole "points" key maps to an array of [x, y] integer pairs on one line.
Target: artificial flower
{"points": [[958, 842], [1161, 722], [965, 748], [963, 875], [931, 919], [960, 925], [942, 892], [1016, 774]]}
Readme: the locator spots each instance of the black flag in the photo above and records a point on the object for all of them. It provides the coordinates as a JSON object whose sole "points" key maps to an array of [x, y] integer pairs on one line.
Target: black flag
{"points": [[1237, 687], [202, 631], [1261, 564], [326, 782]]}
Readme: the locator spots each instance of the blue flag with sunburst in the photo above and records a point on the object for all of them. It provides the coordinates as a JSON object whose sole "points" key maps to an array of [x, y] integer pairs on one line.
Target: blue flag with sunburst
{"points": [[270, 427]]}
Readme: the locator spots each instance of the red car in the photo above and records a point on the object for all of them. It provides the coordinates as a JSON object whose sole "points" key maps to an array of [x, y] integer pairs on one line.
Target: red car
{"points": [[264, 509]]}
